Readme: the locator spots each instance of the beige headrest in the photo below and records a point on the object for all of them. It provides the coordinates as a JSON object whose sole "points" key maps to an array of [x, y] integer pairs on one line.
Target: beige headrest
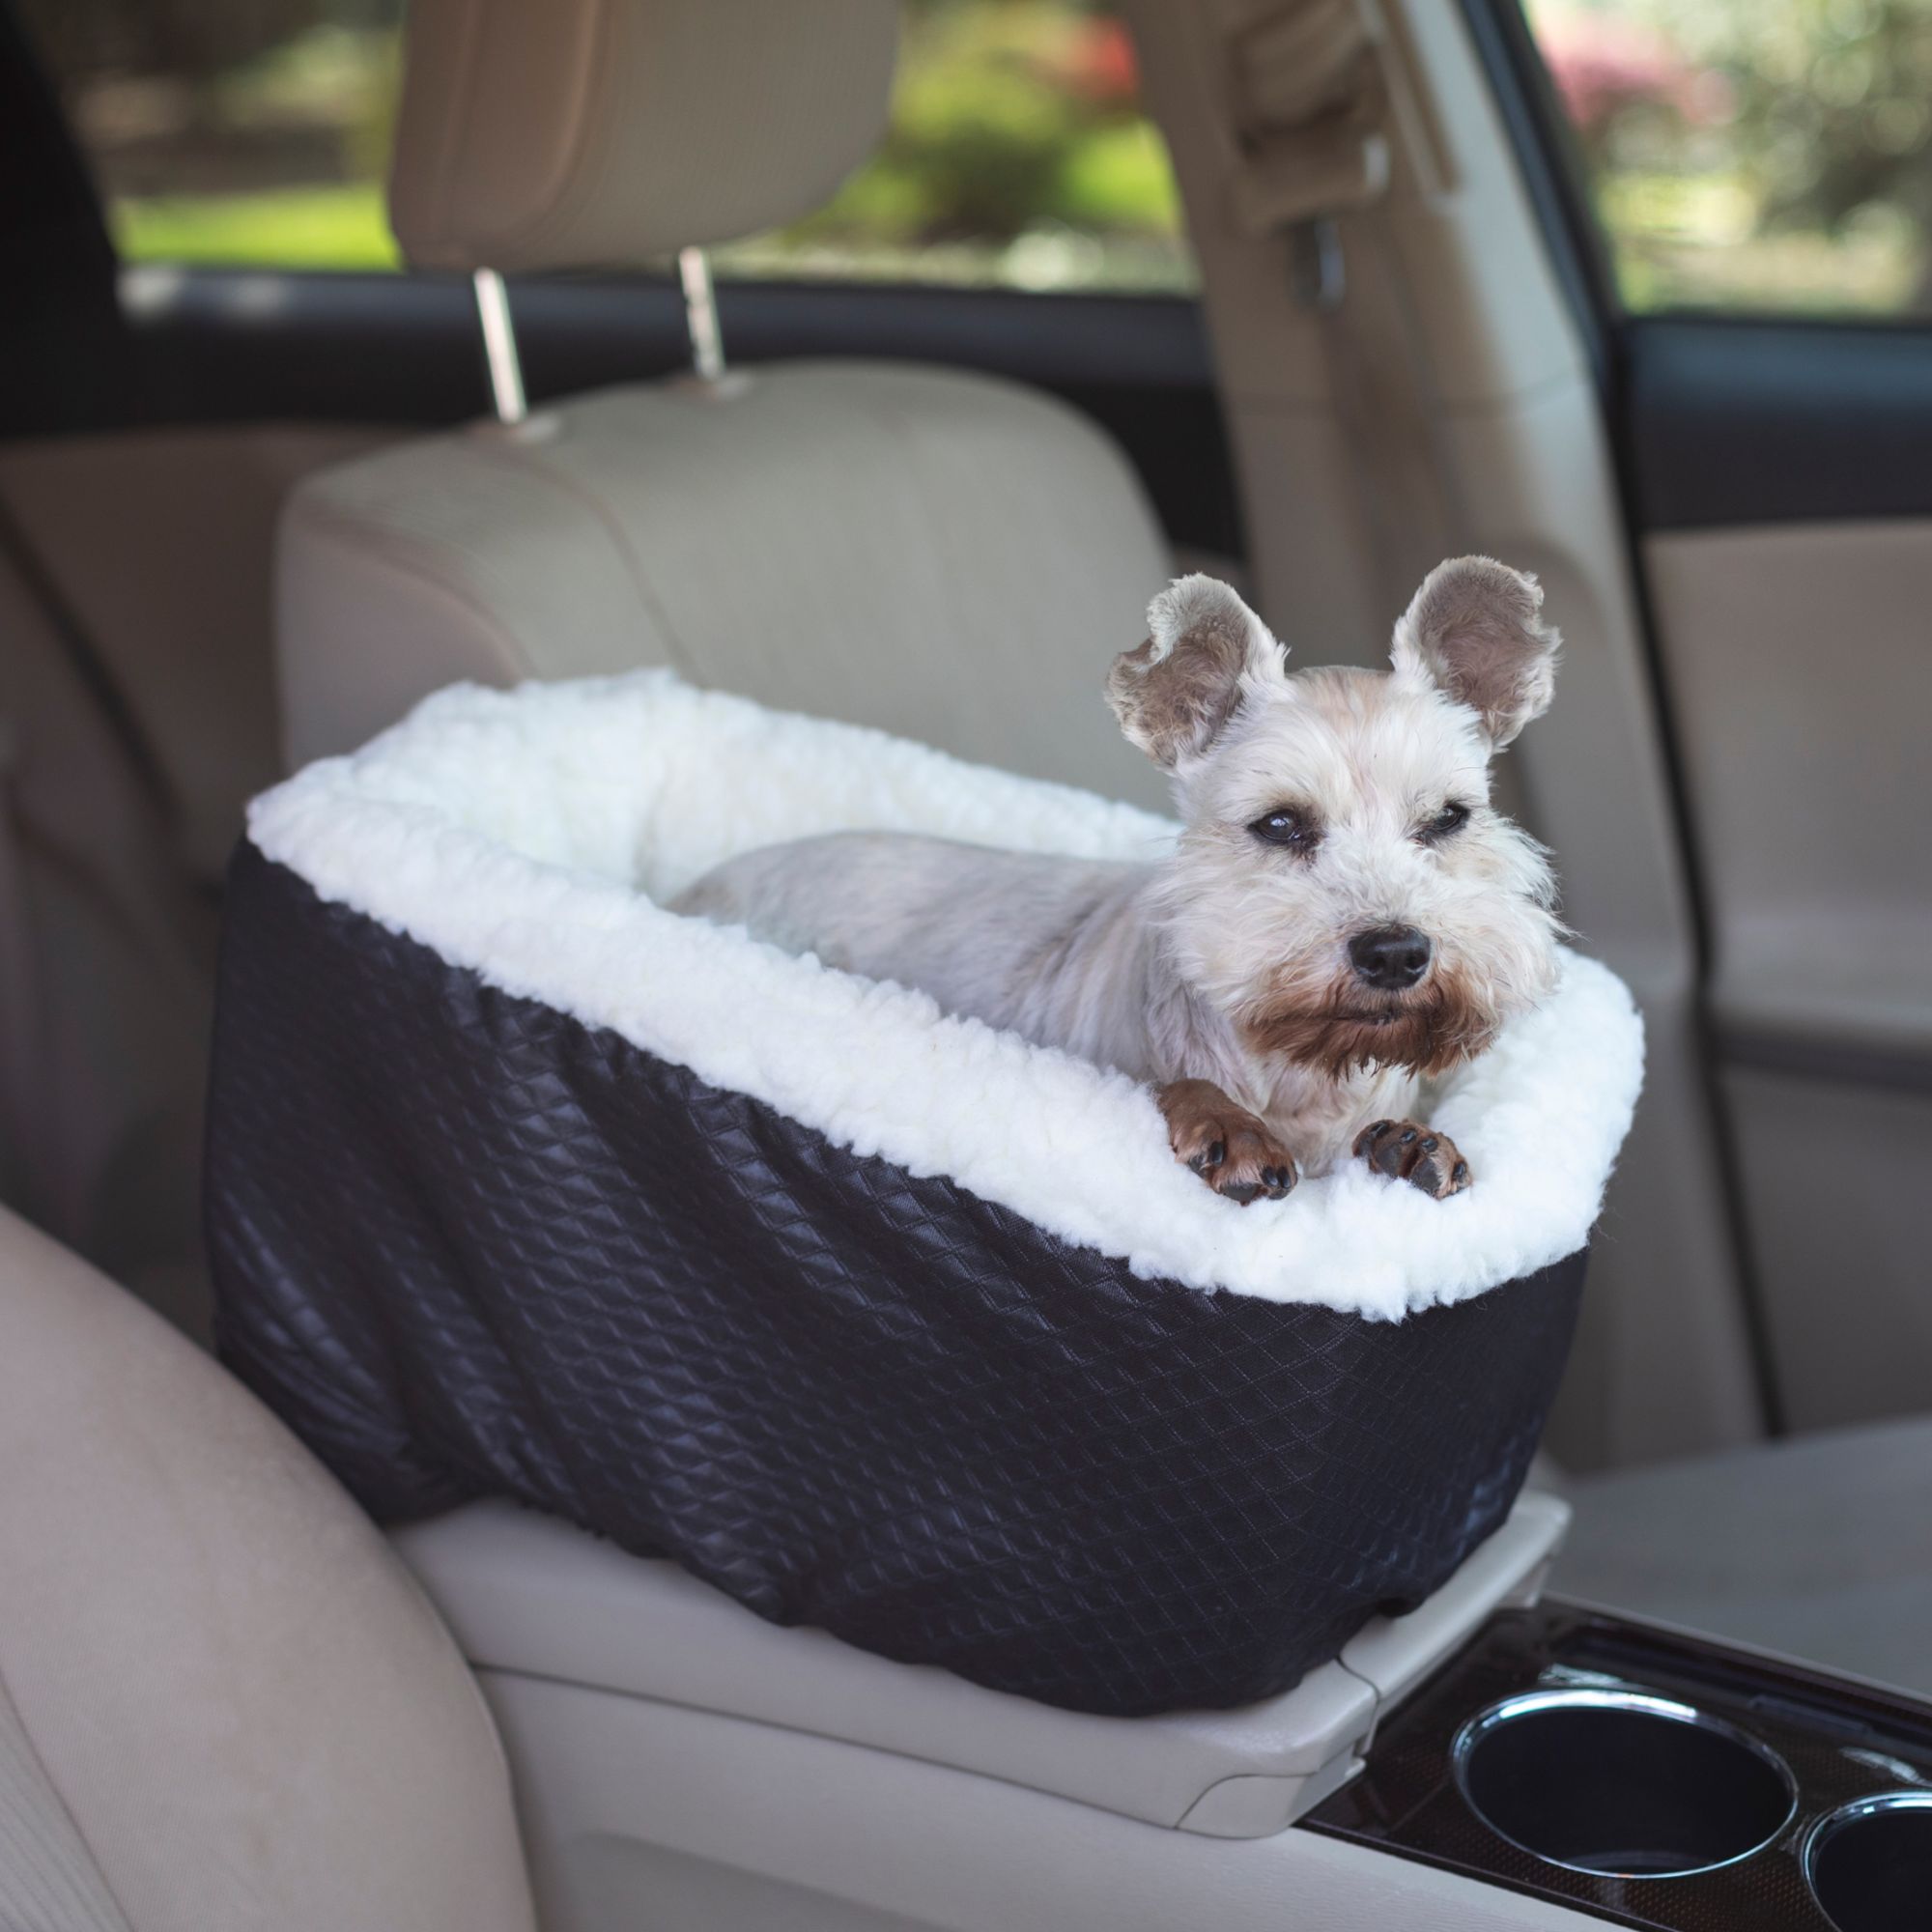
{"points": [[599, 133]]}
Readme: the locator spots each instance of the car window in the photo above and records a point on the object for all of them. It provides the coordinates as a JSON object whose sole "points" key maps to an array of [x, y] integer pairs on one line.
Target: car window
{"points": [[247, 131], [1016, 156], [1768, 157], [257, 133]]}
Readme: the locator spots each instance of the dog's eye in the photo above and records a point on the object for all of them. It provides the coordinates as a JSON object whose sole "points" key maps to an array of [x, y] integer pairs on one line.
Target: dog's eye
{"points": [[1446, 823], [1286, 826]]}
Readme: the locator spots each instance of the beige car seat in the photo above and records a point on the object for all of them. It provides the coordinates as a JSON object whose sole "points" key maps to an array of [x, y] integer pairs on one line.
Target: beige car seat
{"points": [[137, 713], [224, 1705], [938, 554]]}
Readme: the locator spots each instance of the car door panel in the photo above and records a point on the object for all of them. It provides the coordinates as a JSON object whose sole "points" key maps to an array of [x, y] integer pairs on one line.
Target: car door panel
{"points": [[1779, 503], [1799, 679], [1739, 422]]}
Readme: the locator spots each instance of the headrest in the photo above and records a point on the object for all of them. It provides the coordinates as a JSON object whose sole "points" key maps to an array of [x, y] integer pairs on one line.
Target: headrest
{"points": [[600, 134]]}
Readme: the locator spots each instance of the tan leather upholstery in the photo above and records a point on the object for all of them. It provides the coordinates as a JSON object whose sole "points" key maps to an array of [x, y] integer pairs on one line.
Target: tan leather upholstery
{"points": [[932, 552], [49, 1881], [938, 554], [528, 1596], [243, 1705], [571, 134], [161, 543], [109, 963], [155, 547]]}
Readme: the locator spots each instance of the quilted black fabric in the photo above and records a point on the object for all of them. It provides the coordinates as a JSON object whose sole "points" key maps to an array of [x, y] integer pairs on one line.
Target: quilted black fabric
{"points": [[468, 1246]]}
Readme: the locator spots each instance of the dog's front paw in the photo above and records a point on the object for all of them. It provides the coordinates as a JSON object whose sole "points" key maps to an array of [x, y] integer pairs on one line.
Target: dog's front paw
{"points": [[1419, 1156], [1228, 1147]]}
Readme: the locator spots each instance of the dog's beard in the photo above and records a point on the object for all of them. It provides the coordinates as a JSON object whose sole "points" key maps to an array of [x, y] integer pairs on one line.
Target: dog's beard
{"points": [[1348, 1029]]}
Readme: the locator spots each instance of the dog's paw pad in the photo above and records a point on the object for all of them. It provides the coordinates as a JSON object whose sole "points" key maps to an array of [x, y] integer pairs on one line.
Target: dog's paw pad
{"points": [[1419, 1156], [1228, 1147], [1252, 1167]]}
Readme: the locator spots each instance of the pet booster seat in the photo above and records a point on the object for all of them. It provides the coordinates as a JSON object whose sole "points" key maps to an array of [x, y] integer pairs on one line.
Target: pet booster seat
{"points": [[876, 1318]]}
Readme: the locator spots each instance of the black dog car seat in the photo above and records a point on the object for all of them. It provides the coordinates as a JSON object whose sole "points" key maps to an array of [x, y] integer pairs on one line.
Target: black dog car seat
{"points": [[878, 1319]]}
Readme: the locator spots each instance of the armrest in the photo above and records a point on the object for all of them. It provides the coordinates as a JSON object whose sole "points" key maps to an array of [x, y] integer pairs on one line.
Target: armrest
{"points": [[529, 1595]]}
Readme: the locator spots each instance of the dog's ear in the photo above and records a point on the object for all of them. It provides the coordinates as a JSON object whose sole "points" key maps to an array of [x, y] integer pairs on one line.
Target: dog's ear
{"points": [[1174, 692], [1473, 631]]}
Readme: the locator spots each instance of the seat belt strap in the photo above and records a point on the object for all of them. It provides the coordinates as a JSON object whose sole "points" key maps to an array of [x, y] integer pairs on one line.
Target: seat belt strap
{"points": [[1318, 99]]}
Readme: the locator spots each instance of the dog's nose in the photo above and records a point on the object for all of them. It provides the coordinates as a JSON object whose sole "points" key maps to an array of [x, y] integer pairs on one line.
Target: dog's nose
{"points": [[1391, 958]]}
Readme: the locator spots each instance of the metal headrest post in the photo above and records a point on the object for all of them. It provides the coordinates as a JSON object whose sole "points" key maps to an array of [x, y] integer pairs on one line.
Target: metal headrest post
{"points": [[700, 315], [499, 346]]}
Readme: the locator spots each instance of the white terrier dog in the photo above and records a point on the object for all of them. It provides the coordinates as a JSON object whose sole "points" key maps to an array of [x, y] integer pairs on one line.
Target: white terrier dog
{"points": [[1345, 914]]}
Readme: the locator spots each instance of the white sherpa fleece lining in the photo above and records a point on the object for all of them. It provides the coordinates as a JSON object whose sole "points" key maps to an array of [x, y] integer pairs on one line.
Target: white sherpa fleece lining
{"points": [[526, 834]]}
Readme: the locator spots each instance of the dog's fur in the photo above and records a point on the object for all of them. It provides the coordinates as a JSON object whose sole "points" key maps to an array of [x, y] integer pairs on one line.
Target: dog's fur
{"points": [[1316, 806]]}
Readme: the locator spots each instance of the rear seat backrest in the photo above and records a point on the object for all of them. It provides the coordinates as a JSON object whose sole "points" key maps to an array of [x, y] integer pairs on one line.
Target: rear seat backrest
{"points": [[934, 553], [105, 963], [137, 712]]}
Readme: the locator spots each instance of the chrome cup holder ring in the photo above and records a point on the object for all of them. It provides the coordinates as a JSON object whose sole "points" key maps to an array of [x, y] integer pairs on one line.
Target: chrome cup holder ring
{"points": [[1892, 1886], [1614, 1783]]}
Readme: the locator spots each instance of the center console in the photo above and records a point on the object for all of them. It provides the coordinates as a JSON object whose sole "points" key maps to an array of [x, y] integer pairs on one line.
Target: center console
{"points": [[1655, 1780], [1489, 1762]]}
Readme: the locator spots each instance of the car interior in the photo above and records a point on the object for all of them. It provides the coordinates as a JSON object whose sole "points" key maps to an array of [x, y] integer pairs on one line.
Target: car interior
{"points": [[251, 513]]}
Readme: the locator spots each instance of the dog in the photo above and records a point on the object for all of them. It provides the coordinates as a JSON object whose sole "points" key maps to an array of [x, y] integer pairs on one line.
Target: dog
{"points": [[1343, 917]]}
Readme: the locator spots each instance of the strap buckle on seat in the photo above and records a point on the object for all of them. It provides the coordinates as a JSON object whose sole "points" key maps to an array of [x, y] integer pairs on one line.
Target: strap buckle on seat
{"points": [[1311, 102], [1318, 268]]}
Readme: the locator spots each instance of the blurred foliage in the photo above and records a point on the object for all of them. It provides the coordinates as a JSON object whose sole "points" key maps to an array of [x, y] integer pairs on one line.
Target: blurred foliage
{"points": [[195, 41], [1762, 155], [1016, 153], [1768, 155], [257, 131], [288, 228]]}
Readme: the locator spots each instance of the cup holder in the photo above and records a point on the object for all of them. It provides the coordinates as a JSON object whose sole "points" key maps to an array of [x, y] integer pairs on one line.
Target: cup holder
{"points": [[1623, 1785], [1869, 1863]]}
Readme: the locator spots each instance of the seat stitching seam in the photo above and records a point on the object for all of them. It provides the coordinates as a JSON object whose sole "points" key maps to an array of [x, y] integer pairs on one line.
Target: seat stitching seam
{"points": [[529, 463], [348, 528], [39, 1764]]}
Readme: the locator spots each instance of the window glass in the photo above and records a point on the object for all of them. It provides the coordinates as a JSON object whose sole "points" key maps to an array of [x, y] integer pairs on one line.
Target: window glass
{"points": [[1017, 154], [233, 130], [1762, 156], [257, 131]]}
